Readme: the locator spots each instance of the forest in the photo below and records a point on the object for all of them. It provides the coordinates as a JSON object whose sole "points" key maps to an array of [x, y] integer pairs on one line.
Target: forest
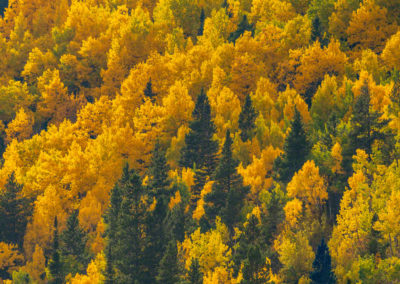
{"points": [[199, 141]]}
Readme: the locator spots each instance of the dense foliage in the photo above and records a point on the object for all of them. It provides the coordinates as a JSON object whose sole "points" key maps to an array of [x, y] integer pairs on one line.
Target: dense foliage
{"points": [[200, 141]]}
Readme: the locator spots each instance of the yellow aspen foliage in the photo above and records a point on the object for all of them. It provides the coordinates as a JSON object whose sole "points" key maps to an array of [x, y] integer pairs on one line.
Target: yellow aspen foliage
{"points": [[354, 222], [296, 255], [380, 95], [90, 212], [369, 62], [37, 63], [56, 104], [92, 117], [245, 70], [258, 173], [99, 243], [315, 63], [199, 211], [369, 27], [271, 10], [286, 103], [40, 229], [36, 267], [293, 211], [87, 20], [219, 275], [94, 273], [336, 153], [130, 46], [225, 106], [21, 127], [209, 248], [14, 96], [216, 29], [174, 200], [388, 223], [178, 107], [10, 257], [341, 16], [297, 33], [324, 100], [177, 143], [264, 99], [391, 53], [308, 186]]}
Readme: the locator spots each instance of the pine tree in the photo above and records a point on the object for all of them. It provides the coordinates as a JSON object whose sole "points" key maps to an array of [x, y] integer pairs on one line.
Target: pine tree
{"points": [[296, 150], [200, 151], [316, 29], [109, 271], [201, 27], [242, 27], [254, 267], [126, 238], [55, 265], [169, 271], [322, 269], [366, 127], [74, 245], [247, 119], [228, 192], [158, 189], [195, 275], [14, 212], [3, 6], [148, 91]]}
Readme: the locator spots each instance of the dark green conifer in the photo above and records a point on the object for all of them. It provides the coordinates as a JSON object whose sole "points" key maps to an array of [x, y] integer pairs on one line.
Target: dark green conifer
{"points": [[202, 19], [366, 127], [169, 271], [148, 91], [74, 246], [55, 265], [195, 275], [296, 150], [200, 151], [247, 119], [126, 237], [316, 29], [158, 189], [322, 269], [242, 27], [226, 198], [14, 212]]}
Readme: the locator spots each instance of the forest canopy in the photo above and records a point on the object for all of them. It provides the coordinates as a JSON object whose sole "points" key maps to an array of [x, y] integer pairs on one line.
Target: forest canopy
{"points": [[199, 141]]}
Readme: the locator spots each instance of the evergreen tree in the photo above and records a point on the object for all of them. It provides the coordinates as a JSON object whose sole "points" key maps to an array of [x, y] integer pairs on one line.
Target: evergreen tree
{"points": [[296, 150], [247, 119], [169, 271], [148, 91], [3, 6], [242, 27], [366, 127], [127, 238], [158, 189], [74, 246], [200, 151], [202, 19], [195, 275], [322, 270], [254, 267], [14, 212], [316, 30], [228, 192], [109, 271], [55, 265]]}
